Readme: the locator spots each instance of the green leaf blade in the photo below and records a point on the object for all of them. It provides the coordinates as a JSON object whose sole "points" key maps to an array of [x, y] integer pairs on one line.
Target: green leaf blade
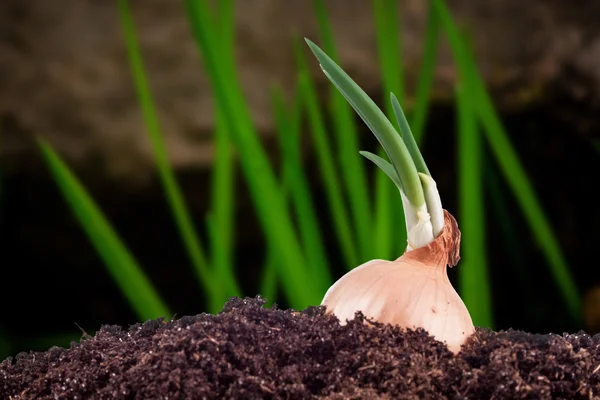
{"points": [[385, 166], [222, 247], [387, 26], [523, 190], [264, 189], [354, 176], [426, 75], [474, 282], [288, 127], [390, 237], [377, 122], [179, 210], [510, 165], [331, 179], [222, 204], [408, 137], [123, 268]]}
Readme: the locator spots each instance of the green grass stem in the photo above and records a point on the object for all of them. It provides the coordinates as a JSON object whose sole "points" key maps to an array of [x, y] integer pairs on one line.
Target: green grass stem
{"points": [[123, 268], [222, 204], [425, 77], [407, 137], [387, 26], [222, 247], [381, 127], [474, 283], [510, 164], [262, 183], [348, 145], [388, 210], [214, 291], [288, 127], [330, 175]]}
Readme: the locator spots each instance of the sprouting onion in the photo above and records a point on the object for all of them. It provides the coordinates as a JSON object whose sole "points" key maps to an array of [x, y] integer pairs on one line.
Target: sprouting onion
{"points": [[414, 290]]}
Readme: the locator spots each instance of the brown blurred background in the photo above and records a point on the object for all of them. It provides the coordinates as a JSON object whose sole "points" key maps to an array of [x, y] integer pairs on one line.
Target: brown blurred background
{"points": [[64, 76]]}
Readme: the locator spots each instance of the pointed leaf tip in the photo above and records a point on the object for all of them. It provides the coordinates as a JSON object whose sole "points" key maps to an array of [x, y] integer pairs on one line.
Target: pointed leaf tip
{"points": [[312, 45], [321, 56], [384, 165]]}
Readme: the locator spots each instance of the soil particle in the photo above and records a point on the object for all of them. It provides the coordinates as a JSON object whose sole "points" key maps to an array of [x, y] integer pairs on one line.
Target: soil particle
{"points": [[248, 351]]}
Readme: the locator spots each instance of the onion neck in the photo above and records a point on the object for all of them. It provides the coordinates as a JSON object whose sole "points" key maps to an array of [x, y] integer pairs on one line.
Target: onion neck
{"points": [[418, 224], [433, 202], [443, 251], [425, 221]]}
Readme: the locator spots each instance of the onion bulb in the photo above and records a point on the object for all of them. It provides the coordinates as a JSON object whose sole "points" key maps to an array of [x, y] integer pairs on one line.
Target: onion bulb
{"points": [[411, 292], [414, 290]]}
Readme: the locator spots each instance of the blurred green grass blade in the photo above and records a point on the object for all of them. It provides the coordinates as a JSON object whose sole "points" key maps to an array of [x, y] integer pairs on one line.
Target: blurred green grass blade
{"points": [[262, 183], [517, 179], [331, 180], [426, 74], [221, 235], [223, 174], [130, 278], [388, 235], [389, 49], [474, 284], [225, 16], [294, 182], [183, 220], [288, 127], [346, 133], [510, 165], [269, 281]]}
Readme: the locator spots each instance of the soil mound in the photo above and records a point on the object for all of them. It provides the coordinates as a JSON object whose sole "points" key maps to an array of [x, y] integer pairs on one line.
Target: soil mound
{"points": [[248, 351]]}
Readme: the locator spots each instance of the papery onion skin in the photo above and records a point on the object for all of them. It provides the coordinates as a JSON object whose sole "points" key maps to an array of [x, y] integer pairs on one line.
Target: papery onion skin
{"points": [[411, 292]]}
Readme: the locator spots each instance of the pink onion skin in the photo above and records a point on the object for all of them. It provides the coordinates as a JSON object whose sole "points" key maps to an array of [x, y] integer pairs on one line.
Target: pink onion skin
{"points": [[412, 291]]}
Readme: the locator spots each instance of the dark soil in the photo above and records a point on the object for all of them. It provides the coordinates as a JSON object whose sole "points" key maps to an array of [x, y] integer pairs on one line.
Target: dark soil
{"points": [[248, 351]]}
